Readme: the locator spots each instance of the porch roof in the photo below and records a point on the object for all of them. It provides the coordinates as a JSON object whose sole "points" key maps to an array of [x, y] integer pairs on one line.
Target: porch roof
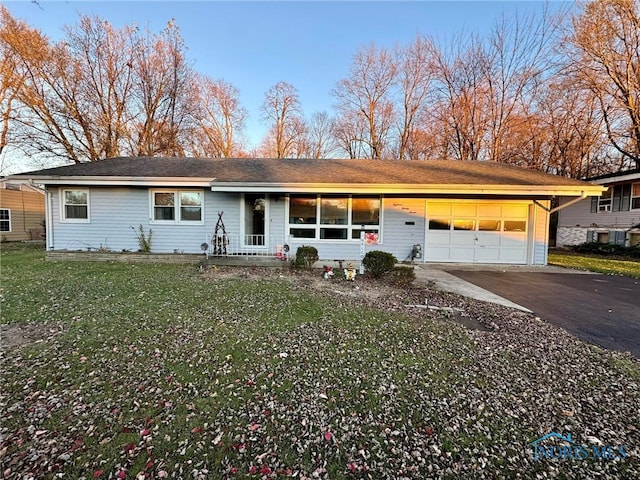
{"points": [[317, 175]]}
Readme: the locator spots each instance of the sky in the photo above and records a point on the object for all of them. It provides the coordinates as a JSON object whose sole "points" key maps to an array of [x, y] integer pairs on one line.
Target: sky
{"points": [[255, 44]]}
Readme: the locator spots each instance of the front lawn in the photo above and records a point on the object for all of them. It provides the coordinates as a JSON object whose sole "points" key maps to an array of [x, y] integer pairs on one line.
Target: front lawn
{"points": [[161, 371], [593, 263]]}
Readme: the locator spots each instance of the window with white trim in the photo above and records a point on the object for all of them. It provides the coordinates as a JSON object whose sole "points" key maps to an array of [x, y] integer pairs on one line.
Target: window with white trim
{"points": [[604, 201], [75, 205], [635, 196], [333, 217], [5, 220], [176, 206]]}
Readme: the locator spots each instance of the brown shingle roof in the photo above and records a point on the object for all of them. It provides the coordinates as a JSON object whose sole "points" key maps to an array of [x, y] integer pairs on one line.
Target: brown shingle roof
{"points": [[310, 171]]}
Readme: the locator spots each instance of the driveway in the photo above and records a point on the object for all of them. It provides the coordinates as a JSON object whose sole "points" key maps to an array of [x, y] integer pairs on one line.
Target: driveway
{"points": [[600, 309]]}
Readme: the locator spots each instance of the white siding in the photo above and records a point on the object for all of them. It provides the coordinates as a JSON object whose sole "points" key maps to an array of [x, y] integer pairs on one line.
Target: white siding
{"points": [[579, 215], [114, 210], [540, 232], [403, 225]]}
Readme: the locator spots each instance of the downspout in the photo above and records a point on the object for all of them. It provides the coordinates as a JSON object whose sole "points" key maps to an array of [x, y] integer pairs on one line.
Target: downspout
{"points": [[565, 205], [49, 222]]}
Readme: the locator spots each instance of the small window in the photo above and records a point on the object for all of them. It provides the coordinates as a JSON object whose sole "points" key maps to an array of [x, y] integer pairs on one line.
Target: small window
{"points": [[365, 211], [439, 224], [333, 211], [464, 224], [489, 225], [303, 232], [635, 196], [164, 206], [604, 201], [190, 206], [75, 205], [302, 210], [333, 233], [515, 226], [5, 220]]}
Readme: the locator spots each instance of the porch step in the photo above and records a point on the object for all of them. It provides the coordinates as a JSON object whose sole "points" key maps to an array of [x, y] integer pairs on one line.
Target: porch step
{"points": [[247, 261]]}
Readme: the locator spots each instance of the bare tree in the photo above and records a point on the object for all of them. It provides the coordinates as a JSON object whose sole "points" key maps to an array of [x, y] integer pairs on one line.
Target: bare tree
{"points": [[517, 57], [163, 94], [219, 119], [461, 108], [366, 95], [320, 138], [415, 77], [350, 132], [606, 56], [281, 110], [100, 92], [12, 76]]}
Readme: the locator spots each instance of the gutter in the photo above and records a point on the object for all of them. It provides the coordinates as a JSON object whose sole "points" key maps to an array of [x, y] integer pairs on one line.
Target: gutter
{"points": [[564, 205], [461, 189]]}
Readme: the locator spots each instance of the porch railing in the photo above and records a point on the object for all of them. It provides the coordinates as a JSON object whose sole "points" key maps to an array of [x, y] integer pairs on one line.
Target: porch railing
{"points": [[258, 245]]}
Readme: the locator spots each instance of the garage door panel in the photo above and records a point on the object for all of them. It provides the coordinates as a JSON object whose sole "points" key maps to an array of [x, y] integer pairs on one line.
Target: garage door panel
{"points": [[515, 211], [490, 210], [512, 255], [440, 210], [513, 241], [465, 210], [490, 232], [438, 237], [489, 239], [463, 239], [488, 255], [437, 253]]}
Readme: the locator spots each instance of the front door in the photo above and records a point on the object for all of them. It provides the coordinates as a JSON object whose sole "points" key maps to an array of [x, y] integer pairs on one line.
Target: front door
{"points": [[255, 220]]}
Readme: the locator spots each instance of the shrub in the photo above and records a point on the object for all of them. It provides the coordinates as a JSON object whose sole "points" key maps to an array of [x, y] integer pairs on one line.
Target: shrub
{"points": [[403, 276], [379, 263], [607, 249], [144, 239], [306, 256]]}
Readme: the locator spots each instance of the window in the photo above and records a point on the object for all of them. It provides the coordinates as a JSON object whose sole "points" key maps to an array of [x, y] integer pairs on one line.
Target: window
{"points": [[5, 220], [75, 205], [177, 206], [621, 197], [515, 226], [333, 217], [635, 196], [604, 201]]}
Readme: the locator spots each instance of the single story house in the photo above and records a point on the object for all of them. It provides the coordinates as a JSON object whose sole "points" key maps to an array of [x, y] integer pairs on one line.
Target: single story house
{"points": [[613, 217], [427, 211], [21, 211]]}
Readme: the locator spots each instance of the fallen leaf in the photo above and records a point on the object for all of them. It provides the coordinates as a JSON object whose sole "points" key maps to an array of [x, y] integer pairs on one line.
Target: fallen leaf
{"points": [[254, 426], [97, 473], [328, 435]]}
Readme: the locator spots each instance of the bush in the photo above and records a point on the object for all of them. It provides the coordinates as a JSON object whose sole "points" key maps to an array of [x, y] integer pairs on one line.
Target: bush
{"points": [[607, 249], [144, 239], [305, 257], [379, 263], [403, 276]]}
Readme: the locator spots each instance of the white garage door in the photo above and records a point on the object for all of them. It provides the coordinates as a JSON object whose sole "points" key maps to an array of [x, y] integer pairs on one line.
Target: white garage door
{"points": [[477, 232]]}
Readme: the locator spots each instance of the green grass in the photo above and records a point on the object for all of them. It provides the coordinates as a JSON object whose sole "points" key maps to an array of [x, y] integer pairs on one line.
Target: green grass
{"points": [[608, 266], [163, 371]]}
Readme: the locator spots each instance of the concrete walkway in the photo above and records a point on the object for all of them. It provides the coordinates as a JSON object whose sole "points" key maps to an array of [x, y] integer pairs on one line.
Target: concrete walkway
{"points": [[435, 272]]}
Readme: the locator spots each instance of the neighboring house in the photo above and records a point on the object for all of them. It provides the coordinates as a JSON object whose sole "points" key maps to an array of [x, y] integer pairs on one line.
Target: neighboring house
{"points": [[22, 211], [613, 217], [433, 211]]}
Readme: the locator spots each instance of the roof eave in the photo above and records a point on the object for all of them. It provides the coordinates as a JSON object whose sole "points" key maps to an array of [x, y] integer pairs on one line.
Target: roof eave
{"points": [[344, 188], [119, 181]]}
